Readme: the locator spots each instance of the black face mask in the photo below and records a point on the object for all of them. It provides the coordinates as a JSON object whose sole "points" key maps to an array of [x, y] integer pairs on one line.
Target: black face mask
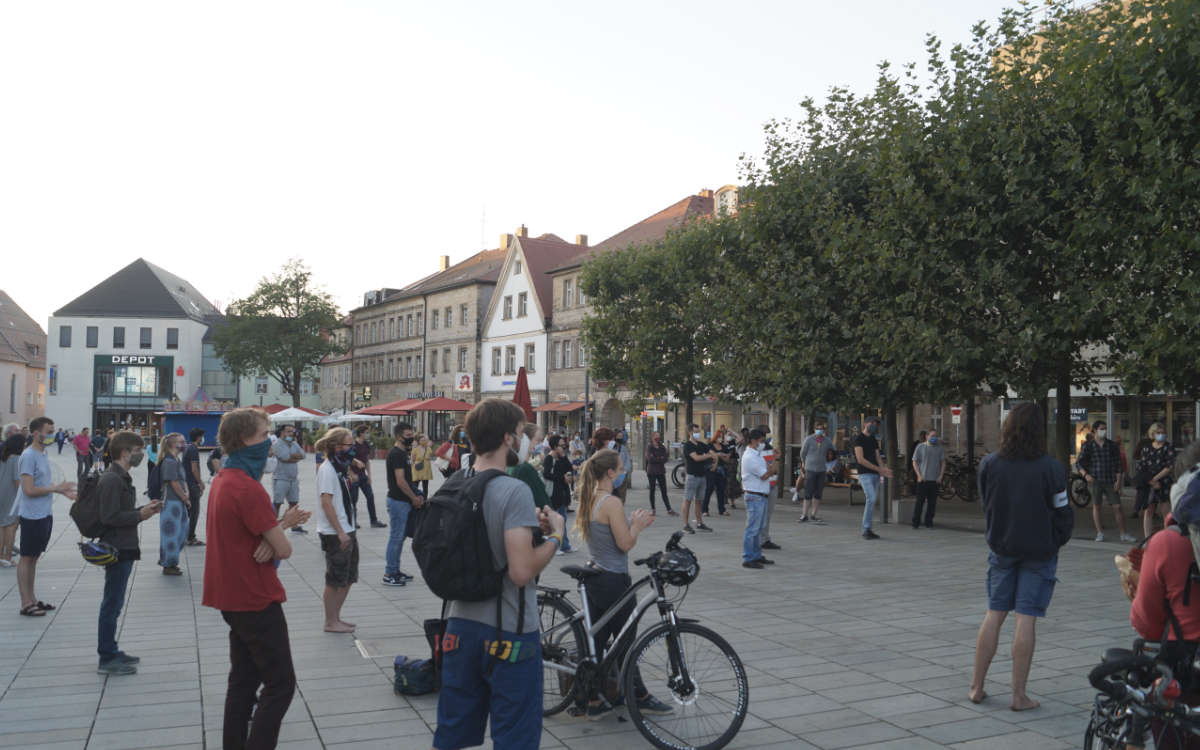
{"points": [[407, 442]]}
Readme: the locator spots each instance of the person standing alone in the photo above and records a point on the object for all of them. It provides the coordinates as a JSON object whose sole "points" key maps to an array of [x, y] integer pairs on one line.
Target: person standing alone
{"points": [[756, 484], [195, 485], [402, 500], [35, 505], [929, 461], [1100, 462], [870, 469], [285, 480], [656, 471], [812, 470]]}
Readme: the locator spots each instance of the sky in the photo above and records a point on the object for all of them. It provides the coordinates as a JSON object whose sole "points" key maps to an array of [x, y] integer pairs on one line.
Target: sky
{"points": [[221, 139]]}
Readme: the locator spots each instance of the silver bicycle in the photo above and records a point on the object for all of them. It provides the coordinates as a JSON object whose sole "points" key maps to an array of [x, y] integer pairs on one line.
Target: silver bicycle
{"points": [[686, 666]]}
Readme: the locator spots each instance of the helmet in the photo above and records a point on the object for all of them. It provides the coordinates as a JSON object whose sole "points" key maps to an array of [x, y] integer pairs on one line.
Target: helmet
{"points": [[679, 566], [98, 553]]}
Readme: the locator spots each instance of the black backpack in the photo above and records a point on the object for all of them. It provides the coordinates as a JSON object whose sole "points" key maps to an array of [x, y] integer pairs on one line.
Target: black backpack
{"points": [[154, 483], [451, 541], [85, 511]]}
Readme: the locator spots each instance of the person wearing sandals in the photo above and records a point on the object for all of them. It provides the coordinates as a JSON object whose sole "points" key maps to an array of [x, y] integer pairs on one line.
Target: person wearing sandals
{"points": [[173, 523], [35, 506], [610, 535], [10, 456]]}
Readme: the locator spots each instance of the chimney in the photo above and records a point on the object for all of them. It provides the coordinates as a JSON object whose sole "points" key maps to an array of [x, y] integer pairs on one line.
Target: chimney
{"points": [[581, 240], [706, 193], [505, 241], [523, 231], [445, 263]]}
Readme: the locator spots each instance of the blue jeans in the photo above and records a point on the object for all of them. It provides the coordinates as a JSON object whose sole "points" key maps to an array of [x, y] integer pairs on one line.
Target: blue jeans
{"points": [[398, 511], [870, 485], [364, 484], [116, 579], [756, 518]]}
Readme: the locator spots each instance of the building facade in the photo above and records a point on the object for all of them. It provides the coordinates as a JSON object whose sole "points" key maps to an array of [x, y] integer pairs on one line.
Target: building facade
{"points": [[389, 333], [22, 364], [336, 369]]}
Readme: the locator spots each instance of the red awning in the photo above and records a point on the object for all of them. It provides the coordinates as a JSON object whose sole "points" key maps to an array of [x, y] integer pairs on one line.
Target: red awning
{"points": [[562, 406], [441, 404], [391, 409]]}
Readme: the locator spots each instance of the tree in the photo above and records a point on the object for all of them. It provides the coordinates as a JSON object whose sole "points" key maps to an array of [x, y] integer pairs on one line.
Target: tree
{"points": [[280, 330]]}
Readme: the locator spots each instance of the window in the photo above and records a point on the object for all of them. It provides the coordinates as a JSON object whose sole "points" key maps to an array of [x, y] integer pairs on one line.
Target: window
{"points": [[580, 359], [582, 297], [408, 367], [449, 316], [446, 360], [935, 418], [507, 307], [556, 356], [146, 338], [314, 386], [374, 335], [391, 328], [172, 338], [566, 354], [119, 337], [408, 326], [510, 360], [305, 386], [260, 385], [93, 336], [530, 355], [522, 305], [433, 362], [64, 337], [417, 365], [391, 369], [495, 360], [420, 322], [463, 310], [568, 292], [433, 322], [462, 358], [517, 268]]}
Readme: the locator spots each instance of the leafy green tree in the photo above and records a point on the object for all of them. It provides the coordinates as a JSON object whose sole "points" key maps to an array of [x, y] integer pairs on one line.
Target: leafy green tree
{"points": [[280, 330]]}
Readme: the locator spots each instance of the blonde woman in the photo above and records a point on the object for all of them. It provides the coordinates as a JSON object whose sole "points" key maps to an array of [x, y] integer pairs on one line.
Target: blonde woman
{"points": [[1152, 475], [173, 522], [422, 464], [610, 535]]}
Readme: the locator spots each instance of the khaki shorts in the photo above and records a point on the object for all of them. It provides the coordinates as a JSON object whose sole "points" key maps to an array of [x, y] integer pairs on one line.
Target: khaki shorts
{"points": [[1105, 490], [341, 565]]}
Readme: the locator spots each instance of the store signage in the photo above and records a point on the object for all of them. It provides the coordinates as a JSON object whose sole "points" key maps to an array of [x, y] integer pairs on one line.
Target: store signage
{"points": [[462, 382], [132, 359], [426, 396]]}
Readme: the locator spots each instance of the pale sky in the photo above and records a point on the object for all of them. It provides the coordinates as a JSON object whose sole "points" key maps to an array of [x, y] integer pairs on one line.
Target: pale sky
{"points": [[218, 139]]}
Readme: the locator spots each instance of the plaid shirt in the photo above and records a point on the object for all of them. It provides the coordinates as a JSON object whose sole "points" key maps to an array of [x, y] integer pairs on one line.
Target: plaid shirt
{"points": [[1101, 461]]}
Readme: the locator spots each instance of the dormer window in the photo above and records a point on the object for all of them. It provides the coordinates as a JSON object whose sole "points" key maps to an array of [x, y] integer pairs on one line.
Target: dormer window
{"points": [[517, 268]]}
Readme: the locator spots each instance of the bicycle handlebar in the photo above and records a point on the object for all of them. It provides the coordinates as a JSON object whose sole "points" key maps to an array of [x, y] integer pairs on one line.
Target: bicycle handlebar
{"points": [[1099, 676], [672, 544]]}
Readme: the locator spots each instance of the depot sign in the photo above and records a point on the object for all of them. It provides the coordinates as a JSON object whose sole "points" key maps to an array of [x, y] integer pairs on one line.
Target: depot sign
{"points": [[132, 359]]}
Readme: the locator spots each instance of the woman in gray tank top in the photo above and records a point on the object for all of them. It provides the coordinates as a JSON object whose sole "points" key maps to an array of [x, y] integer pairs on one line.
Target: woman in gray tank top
{"points": [[601, 522]]}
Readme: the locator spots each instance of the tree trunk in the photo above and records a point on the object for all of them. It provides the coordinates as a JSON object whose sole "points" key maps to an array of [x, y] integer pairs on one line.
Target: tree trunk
{"points": [[909, 431], [689, 395], [1062, 410], [781, 454], [893, 458], [296, 390], [971, 442]]}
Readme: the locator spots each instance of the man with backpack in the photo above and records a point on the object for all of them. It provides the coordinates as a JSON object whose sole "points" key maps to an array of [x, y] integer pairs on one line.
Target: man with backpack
{"points": [[491, 651], [118, 516]]}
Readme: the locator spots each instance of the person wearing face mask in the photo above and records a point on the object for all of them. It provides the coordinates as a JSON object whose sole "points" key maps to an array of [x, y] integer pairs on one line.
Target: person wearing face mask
{"points": [[929, 461], [870, 469], [556, 468], [173, 522], [35, 506], [696, 455], [285, 480], [656, 471], [402, 500], [245, 541], [812, 472], [577, 444], [756, 479], [117, 499], [1100, 462], [336, 517], [1154, 462]]}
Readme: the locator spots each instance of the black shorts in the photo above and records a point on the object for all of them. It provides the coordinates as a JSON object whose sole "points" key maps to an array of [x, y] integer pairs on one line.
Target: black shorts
{"points": [[35, 535], [341, 565]]}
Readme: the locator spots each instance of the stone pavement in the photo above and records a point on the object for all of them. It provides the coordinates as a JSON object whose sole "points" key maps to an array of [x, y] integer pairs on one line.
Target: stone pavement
{"points": [[847, 643]]}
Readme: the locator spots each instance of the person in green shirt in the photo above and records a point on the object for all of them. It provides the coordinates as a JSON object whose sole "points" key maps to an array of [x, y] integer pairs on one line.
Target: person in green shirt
{"points": [[526, 472]]}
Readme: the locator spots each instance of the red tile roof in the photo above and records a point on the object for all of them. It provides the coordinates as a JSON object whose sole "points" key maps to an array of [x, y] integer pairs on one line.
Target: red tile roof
{"points": [[541, 255]]}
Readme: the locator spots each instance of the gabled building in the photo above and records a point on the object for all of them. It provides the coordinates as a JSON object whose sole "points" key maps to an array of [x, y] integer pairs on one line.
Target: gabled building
{"points": [[22, 364], [519, 316]]}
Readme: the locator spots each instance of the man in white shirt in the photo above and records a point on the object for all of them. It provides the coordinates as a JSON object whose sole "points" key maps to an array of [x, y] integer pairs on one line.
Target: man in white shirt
{"points": [[756, 483]]}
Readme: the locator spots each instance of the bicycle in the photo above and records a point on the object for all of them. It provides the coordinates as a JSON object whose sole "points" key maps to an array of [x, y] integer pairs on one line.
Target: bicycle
{"points": [[1134, 688], [679, 475], [1079, 490], [695, 671]]}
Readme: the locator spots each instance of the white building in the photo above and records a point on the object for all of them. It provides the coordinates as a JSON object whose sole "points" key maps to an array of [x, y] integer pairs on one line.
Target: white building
{"points": [[517, 321], [120, 350]]}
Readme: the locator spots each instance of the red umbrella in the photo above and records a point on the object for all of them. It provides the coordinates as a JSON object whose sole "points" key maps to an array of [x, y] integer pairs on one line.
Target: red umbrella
{"points": [[521, 395]]}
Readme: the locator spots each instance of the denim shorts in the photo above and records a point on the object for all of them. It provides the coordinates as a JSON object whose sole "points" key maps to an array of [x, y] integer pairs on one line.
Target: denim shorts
{"points": [[1022, 585]]}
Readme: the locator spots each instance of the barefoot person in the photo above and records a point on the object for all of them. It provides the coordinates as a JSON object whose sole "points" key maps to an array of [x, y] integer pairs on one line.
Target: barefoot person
{"points": [[244, 542], [1024, 496], [335, 525]]}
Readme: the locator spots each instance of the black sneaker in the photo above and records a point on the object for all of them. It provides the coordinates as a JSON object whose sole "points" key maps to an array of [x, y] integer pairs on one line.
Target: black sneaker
{"points": [[114, 667], [868, 534], [404, 575], [703, 527], [753, 565], [298, 530], [653, 706], [765, 561], [378, 525], [128, 658], [597, 711], [770, 545], [393, 581], [689, 529], [803, 519]]}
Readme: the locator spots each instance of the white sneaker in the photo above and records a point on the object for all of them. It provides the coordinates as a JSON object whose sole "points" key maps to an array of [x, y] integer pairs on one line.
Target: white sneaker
{"points": [[1099, 537], [1127, 538]]}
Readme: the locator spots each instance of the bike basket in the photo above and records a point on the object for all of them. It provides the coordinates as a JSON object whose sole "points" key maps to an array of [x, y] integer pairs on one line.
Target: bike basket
{"points": [[679, 567]]}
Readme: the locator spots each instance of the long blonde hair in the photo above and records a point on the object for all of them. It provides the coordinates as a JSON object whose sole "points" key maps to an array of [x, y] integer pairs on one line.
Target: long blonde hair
{"points": [[163, 452], [329, 442], [592, 471]]}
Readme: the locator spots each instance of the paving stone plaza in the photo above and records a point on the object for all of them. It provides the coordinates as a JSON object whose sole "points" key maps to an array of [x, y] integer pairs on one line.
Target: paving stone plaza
{"points": [[847, 643]]}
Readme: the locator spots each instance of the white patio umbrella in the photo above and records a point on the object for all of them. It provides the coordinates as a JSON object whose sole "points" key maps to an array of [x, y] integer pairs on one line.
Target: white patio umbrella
{"points": [[292, 414]]}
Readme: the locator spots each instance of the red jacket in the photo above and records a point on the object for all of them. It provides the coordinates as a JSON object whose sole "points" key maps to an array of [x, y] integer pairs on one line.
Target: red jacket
{"points": [[1164, 578]]}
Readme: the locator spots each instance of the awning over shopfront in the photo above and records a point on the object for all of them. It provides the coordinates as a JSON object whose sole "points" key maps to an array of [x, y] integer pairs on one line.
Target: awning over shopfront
{"points": [[562, 406]]}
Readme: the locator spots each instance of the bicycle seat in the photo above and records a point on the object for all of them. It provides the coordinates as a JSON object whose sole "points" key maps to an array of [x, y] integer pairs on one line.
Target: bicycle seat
{"points": [[1114, 654], [580, 572]]}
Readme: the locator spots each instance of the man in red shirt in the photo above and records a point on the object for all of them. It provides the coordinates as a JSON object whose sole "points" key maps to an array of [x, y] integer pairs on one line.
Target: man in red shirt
{"points": [[244, 541]]}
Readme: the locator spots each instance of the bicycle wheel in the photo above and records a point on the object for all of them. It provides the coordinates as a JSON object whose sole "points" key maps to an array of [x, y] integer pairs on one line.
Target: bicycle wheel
{"points": [[562, 645], [1081, 493], [677, 476], [697, 674]]}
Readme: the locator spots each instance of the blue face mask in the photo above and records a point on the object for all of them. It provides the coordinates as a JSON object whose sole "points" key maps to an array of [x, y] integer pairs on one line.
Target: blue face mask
{"points": [[933, 440], [290, 439], [820, 433], [620, 480], [251, 459]]}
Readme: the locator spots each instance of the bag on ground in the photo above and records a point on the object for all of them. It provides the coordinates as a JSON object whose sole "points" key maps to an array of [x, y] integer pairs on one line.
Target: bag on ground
{"points": [[414, 676]]}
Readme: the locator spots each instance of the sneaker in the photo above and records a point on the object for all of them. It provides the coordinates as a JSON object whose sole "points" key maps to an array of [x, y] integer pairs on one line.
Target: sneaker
{"points": [[868, 534], [765, 561], [930, 526], [703, 527], [393, 581], [653, 706], [115, 667], [689, 529], [770, 545], [560, 553], [672, 512], [753, 565], [1099, 537], [817, 521], [172, 571], [298, 530], [378, 525], [404, 575], [803, 519], [128, 658], [194, 542], [1127, 538], [597, 711], [5, 563]]}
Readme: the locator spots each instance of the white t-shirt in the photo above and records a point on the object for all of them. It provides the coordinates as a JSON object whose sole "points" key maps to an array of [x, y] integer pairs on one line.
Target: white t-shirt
{"points": [[328, 482], [753, 467]]}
